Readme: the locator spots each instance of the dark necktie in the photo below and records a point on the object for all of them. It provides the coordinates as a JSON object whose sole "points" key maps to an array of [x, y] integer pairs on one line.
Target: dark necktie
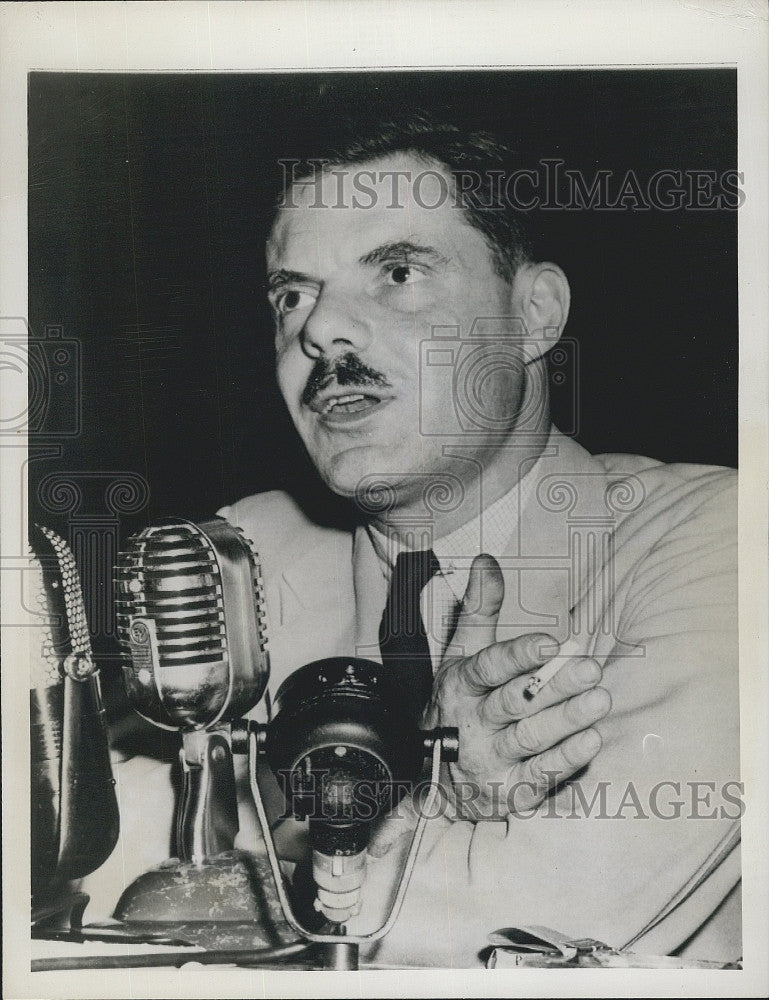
{"points": [[402, 636]]}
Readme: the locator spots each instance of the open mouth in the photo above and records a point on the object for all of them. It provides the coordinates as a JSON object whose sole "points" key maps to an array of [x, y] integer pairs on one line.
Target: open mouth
{"points": [[345, 406], [354, 402]]}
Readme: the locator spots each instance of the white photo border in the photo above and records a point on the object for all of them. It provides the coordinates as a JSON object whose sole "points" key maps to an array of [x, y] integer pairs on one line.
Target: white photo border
{"points": [[288, 35]]}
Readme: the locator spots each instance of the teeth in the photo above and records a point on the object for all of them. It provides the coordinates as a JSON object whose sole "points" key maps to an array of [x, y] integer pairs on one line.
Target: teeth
{"points": [[336, 400]]}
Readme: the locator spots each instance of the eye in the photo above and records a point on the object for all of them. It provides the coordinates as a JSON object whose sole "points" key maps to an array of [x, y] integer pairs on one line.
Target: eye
{"points": [[290, 299], [403, 274]]}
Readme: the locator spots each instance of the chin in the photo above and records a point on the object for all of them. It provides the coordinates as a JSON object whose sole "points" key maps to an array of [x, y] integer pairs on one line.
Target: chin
{"points": [[367, 473]]}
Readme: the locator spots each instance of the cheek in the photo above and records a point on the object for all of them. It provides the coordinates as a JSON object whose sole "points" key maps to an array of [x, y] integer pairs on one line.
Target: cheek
{"points": [[291, 372], [469, 389]]}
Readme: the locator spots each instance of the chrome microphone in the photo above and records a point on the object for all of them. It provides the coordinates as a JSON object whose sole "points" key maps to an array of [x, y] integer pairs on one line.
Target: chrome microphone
{"points": [[191, 621]]}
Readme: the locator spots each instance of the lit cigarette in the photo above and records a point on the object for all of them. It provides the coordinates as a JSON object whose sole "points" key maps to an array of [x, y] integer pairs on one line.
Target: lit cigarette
{"points": [[546, 672]]}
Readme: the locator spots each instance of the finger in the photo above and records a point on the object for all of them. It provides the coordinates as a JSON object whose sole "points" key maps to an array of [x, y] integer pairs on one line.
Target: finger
{"points": [[536, 733], [508, 702], [498, 663], [477, 622], [539, 775]]}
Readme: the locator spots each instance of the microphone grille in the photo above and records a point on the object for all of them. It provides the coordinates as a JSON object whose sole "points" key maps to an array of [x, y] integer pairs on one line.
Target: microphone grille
{"points": [[191, 620], [169, 574]]}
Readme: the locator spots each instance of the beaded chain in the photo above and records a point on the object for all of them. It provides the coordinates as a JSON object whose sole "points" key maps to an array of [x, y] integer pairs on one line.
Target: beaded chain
{"points": [[79, 664]]}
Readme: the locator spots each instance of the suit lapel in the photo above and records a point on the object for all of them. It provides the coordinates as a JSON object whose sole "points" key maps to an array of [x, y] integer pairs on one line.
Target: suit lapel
{"points": [[311, 605], [558, 543], [370, 596]]}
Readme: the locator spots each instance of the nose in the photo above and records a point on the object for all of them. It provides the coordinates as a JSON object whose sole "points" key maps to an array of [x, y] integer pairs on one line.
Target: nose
{"points": [[336, 324]]}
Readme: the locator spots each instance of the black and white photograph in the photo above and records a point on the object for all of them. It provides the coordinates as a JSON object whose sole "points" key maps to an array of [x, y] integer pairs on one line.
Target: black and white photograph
{"points": [[380, 438]]}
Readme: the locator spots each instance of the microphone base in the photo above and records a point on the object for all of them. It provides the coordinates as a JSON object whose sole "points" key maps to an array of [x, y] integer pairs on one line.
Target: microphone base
{"points": [[58, 910], [227, 901], [341, 957]]}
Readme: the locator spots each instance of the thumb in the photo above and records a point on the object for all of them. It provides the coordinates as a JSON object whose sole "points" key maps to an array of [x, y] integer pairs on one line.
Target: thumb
{"points": [[477, 622]]}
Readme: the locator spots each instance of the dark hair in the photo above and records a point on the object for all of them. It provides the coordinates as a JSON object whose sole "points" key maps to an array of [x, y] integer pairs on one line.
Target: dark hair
{"points": [[477, 161]]}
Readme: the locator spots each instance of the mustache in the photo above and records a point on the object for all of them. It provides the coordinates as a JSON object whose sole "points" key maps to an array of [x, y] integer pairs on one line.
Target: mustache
{"points": [[347, 369]]}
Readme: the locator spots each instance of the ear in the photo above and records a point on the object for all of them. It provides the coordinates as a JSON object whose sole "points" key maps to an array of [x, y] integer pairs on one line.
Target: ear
{"points": [[541, 296]]}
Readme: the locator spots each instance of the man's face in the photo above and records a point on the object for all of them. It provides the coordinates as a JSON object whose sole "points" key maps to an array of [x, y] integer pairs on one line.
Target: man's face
{"points": [[354, 291]]}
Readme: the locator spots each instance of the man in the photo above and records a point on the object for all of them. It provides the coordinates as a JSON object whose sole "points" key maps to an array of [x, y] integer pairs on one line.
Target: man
{"points": [[373, 262], [412, 327]]}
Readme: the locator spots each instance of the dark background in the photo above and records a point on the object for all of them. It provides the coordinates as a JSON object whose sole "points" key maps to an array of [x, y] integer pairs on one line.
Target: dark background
{"points": [[149, 201]]}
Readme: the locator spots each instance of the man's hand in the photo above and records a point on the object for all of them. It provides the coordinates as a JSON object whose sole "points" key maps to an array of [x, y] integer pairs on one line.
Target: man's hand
{"points": [[512, 751]]}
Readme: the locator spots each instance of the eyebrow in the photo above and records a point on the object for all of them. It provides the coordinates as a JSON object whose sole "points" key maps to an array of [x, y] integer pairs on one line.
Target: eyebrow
{"points": [[400, 248], [276, 279]]}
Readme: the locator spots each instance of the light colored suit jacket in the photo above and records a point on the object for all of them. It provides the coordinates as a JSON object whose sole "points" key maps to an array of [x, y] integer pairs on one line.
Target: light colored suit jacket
{"points": [[637, 561]]}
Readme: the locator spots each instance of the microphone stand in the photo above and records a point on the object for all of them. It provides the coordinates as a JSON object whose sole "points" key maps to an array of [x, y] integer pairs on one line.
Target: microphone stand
{"points": [[207, 820], [341, 956], [340, 951]]}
